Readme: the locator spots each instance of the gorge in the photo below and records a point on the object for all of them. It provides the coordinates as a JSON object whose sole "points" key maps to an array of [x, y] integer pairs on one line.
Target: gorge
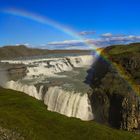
{"points": [[58, 82], [104, 88]]}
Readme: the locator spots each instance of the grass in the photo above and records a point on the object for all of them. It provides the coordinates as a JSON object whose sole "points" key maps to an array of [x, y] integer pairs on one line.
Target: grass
{"points": [[126, 59], [30, 117], [126, 49]]}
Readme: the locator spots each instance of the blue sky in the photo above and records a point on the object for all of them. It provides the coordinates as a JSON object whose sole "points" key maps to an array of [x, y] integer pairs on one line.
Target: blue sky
{"points": [[93, 17]]}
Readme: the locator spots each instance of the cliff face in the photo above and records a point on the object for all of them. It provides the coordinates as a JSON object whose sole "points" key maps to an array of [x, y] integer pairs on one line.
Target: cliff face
{"points": [[114, 100], [131, 113]]}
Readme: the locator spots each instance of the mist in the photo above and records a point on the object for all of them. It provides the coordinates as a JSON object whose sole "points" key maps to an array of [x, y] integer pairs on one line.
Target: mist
{"points": [[3, 77]]}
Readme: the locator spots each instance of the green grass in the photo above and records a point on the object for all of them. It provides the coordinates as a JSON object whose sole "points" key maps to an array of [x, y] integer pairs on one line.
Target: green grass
{"points": [[30, 117], [120, 49], [128, 56]]}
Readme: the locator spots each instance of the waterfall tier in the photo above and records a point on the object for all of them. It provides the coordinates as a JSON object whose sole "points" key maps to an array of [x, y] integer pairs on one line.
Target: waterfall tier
{"points": [[58, 100], [47, 79]]}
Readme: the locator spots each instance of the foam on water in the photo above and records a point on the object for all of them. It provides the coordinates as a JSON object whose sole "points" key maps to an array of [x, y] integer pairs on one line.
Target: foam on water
{"points": [[64, 102], [68, 102]]}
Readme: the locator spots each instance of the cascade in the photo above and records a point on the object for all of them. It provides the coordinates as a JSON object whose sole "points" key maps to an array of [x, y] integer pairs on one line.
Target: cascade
{"points": [[67, 102]]}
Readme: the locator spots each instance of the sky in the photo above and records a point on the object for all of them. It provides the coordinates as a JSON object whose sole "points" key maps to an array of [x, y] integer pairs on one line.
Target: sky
{"points": [[58, 24]]}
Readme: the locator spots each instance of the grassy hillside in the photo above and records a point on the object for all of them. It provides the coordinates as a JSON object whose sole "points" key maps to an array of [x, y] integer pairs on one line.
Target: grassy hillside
{"points": [[128, 57], [30, 118], [120, 49], [9, 52], [116, 87]]}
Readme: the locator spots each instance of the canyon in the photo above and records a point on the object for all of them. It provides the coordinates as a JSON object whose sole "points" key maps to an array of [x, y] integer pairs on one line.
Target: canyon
{"points": [[57, 81], [102, 88]]}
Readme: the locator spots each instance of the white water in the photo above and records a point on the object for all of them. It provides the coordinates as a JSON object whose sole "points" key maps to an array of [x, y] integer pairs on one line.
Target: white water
{"points": [[69, 103], [52, 66], [64, 102]]}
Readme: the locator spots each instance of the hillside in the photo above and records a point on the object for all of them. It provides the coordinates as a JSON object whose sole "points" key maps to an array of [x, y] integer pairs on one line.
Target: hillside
{"points": [[128, 56], [23, 117], [10, 52], [116, 87]]}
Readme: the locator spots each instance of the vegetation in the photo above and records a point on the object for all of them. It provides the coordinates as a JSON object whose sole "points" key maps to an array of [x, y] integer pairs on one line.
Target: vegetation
{"points": [[116, 87], [111, 98], [127, 57], [120, 49], [30, 118]]}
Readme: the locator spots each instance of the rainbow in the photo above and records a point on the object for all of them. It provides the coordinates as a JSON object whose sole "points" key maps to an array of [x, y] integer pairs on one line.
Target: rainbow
{"points": [[123, 74], [66, 30], [47, 21]]}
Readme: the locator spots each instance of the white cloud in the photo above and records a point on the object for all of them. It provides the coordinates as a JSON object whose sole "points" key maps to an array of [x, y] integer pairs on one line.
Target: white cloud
{"points": [[26, 44], [107, 35], [66, 42], [105, 40], [87, 33], [69, 44]]}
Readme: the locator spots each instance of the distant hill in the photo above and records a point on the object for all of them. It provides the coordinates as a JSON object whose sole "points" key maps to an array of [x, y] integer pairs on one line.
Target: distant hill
{"points": [[9, 52]]}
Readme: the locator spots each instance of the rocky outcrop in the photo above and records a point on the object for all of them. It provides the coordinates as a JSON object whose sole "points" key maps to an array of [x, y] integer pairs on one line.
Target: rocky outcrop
{"points": [[114, 101], [118, 111], [131, 63], [6, 134], [131, 113]]}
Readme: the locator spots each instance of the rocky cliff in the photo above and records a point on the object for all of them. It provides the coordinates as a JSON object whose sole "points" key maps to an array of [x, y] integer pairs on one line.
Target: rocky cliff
{"points": [[115, 83]]}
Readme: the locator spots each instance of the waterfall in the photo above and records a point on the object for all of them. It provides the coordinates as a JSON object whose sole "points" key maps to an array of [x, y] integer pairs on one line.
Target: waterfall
{"points": [[67, 102], [28, 89], [52, 66], [58, 100]]}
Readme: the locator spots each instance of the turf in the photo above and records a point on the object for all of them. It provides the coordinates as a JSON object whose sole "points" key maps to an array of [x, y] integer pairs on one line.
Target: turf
{"points": [[123, 49], [31, 119]]}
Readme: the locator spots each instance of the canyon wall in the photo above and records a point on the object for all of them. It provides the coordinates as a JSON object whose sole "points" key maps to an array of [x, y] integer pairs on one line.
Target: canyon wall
{"points": [[115, 96]]}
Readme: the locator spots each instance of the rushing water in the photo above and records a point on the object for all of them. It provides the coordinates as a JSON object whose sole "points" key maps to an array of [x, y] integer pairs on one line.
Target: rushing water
{"points": [[59, 83]]}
